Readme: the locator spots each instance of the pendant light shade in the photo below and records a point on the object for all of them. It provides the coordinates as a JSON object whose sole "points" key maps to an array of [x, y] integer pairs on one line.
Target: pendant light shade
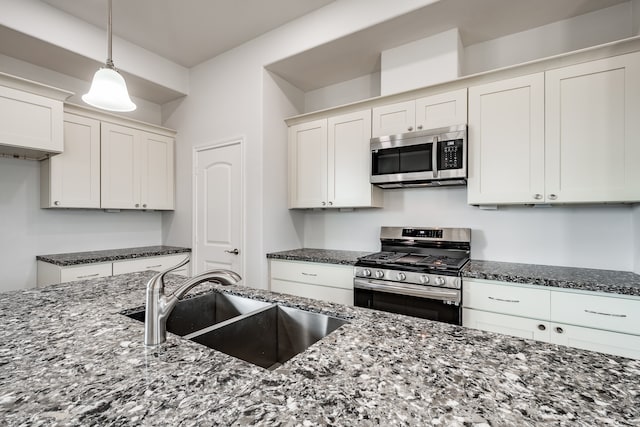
{"points": [[108, 89]]}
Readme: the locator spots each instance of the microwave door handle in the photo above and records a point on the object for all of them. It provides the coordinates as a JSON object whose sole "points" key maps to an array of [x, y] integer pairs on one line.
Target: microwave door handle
{"points": [[434, 157]]}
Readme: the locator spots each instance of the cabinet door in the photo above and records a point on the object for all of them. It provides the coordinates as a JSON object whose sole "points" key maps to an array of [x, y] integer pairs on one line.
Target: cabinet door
{"points": [[30, 122], [120, 163], [156, 172], [159, 263], [349, 167], [520, 327], [596, 340], [308, 165], [592, 128], [307, 290], [394, 118], [506, 141], [74, 175], [442, 110], [84, 272]]}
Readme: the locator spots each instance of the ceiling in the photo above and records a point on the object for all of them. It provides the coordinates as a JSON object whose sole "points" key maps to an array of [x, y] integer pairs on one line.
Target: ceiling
{"points": [[189, 32]]}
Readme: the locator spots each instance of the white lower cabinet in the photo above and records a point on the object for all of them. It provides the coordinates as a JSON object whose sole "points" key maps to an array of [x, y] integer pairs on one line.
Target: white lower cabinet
{"points": [[51, 274], [606, 323], [326, 282]]}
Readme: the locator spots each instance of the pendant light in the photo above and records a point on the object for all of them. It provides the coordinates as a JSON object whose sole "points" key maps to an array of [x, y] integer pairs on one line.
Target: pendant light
{"points": [[108, 90]]}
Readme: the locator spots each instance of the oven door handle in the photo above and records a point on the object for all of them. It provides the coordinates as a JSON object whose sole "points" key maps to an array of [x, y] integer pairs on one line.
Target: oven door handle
{"points": [[431, 292]]}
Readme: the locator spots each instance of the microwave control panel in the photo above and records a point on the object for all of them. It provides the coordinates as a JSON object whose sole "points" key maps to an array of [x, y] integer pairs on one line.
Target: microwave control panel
{"points": [[450, 154]]}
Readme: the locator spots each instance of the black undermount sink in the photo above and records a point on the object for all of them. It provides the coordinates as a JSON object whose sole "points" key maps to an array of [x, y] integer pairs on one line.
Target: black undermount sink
{"points": [[258, 332]]}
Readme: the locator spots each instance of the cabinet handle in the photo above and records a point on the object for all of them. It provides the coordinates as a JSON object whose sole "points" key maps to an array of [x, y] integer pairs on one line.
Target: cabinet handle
{"points": [[330, 203], [57, 203], [137, 205], [504, 300], [144, 206], [419, 127], [324, 203], [154, 266], [552, 197], [542, 327], [309, 274], [559, 330], [410, 128], [537, 196], [605, 314], [88, 275]]}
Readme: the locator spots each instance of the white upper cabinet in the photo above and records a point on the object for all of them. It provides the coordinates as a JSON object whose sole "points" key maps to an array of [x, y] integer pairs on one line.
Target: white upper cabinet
{"points": [[506, 141], [72, 179], [308, 164], [30, 118], [431, 112], [137, 169], [329, 163], [592, 131], [569, 135]]}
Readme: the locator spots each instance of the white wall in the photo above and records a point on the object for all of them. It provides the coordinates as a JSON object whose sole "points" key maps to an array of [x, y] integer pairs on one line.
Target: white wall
{"points": [[28, 231], [421, 63], [226, 97], [353, 90], [570, 236], [635, 13], [586, 30], [636, 236]]}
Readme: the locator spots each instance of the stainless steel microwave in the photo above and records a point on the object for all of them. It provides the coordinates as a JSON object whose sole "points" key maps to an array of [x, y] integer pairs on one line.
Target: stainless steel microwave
{"points": [[419, 159]]}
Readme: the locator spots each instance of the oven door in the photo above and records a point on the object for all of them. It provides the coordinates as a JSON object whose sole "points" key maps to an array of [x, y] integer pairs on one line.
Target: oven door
{"points": [[426, 302]]}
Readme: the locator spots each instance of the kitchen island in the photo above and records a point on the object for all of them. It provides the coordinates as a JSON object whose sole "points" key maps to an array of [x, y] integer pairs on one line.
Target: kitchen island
{"points": [[68, 357]]}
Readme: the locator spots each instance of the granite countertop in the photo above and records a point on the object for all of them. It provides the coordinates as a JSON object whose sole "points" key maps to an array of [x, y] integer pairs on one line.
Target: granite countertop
{"points": [[326, 256], [584, 279], [68, 357], [76, 258]]}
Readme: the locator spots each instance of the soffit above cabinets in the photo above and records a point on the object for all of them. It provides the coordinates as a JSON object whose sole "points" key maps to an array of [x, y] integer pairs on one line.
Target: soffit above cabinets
{"points": [[479, 20]]}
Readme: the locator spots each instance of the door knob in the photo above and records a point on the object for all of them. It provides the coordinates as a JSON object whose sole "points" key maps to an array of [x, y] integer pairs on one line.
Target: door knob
{"points": [[235, 252]]}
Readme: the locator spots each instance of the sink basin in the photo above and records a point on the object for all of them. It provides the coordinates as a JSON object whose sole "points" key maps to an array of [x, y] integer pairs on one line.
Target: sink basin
{"points": [[199, 312], [269, 337]]}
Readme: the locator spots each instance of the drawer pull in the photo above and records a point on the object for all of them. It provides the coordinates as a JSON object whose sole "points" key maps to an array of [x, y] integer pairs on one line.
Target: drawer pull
{"points": [[309, 274], [504, 300], [88, 275], [605, 314], [542, 327], [559, 330], [154, 266]]}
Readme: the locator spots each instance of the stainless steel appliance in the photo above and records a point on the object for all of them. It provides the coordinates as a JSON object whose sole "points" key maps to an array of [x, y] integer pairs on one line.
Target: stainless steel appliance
{"points": [[417, 273], [420, 159]]}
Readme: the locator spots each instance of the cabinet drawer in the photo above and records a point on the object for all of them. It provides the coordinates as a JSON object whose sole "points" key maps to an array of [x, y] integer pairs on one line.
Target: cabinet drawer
{"points": [[339, 276], [151, 263], [83, 272], [323, 293], [601, 312], [506, 299]]}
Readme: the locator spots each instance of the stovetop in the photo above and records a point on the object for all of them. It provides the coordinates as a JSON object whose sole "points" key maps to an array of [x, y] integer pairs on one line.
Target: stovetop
{"points": [[413, 262]]}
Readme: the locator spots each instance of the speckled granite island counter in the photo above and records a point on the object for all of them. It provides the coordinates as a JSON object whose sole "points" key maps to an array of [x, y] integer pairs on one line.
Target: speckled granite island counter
{"points": [[68, 357], [584, 279]]}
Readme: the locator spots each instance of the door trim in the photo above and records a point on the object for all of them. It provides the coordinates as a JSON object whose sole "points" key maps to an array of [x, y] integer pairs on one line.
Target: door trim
{"points": [[194, 200]]}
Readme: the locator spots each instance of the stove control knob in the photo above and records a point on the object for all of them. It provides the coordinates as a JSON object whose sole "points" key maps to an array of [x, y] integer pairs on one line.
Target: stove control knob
{"points": [[401, 276], [366, 272], [379, 274], [424, 279], [439, 281]]}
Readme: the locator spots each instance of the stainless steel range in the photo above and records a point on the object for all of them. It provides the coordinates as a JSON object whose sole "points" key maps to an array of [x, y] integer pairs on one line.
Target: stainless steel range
{"points": [[417, 273]]}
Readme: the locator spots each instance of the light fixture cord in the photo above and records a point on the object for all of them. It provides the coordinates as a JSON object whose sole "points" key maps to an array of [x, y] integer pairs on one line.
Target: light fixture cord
{"points": [[109, 36]]}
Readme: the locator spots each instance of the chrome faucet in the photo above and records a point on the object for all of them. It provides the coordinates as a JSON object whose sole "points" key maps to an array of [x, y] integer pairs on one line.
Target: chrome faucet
{"points": [[159, 306]]}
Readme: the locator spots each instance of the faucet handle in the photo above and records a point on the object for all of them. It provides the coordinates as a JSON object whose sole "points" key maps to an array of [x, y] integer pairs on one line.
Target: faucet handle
{"points": [[157, 281]]}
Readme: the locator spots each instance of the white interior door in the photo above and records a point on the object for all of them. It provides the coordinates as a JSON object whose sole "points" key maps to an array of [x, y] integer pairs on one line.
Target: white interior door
{"points": [[218, 208]]}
